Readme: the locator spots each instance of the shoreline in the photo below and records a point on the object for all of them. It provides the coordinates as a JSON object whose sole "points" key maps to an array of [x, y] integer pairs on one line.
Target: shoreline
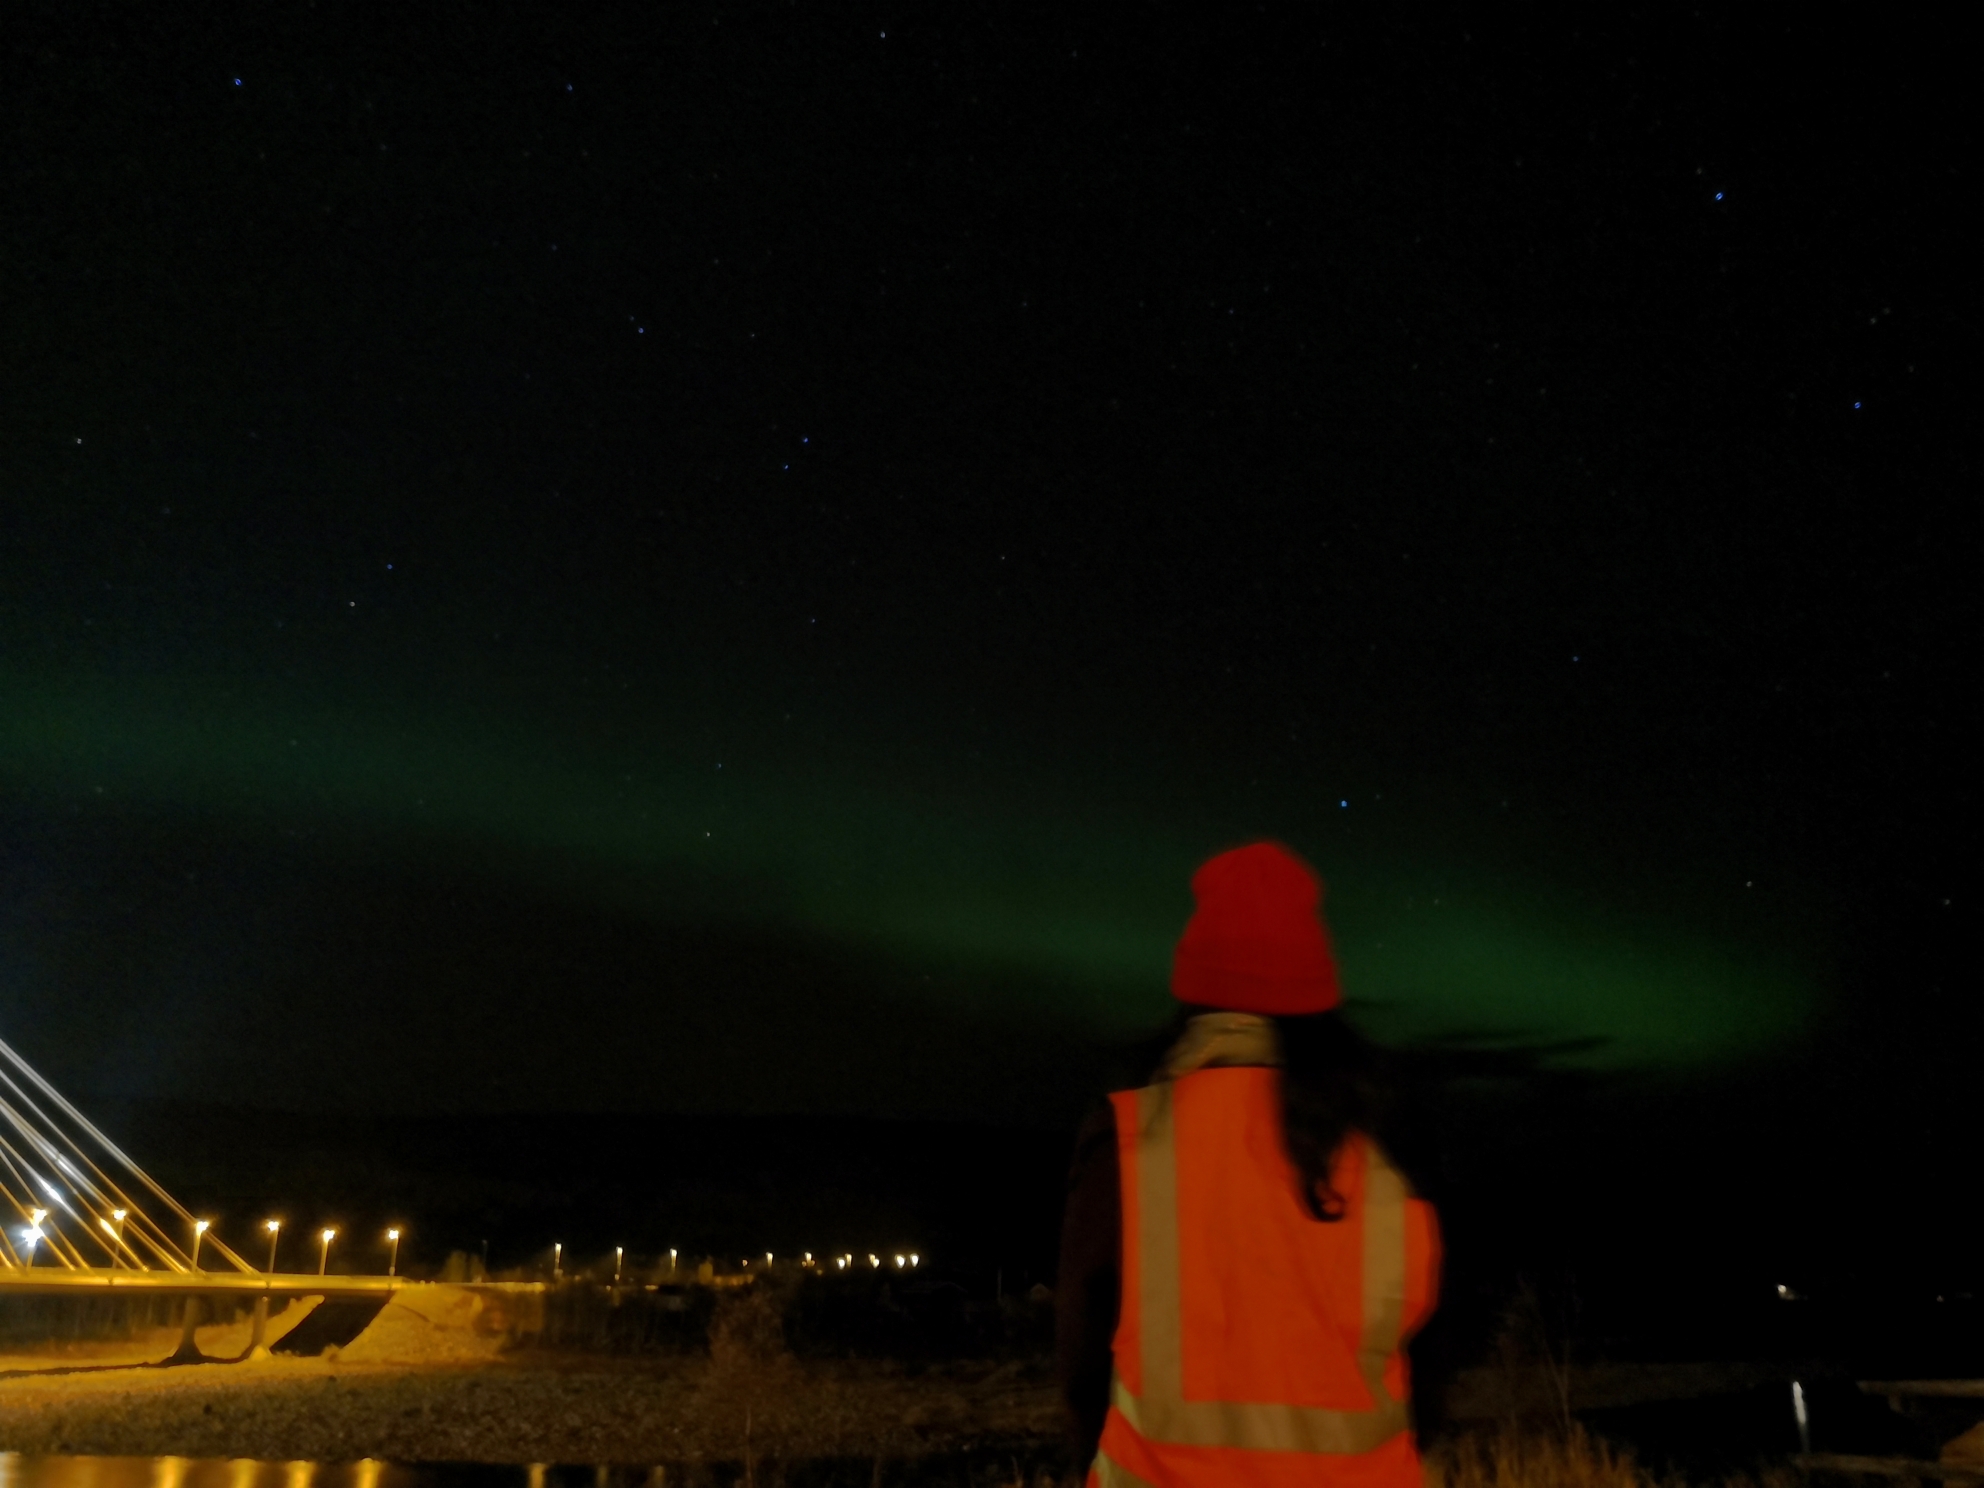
{"points": [[531, 1408]]}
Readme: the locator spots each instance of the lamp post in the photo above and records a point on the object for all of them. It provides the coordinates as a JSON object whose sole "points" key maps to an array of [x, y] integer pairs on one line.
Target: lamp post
{"points": [[393, 1262], [557, 1260], [324, 1255], [618, 1253], [274, 1227], [200, 1227]]}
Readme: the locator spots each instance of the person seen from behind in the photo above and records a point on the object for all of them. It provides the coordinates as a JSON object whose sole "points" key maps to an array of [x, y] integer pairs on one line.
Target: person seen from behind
{"points": [[1241, 1263]]}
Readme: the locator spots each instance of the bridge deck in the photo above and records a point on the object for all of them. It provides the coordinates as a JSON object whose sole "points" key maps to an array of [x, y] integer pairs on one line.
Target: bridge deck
{"points": [[48, 1280]]}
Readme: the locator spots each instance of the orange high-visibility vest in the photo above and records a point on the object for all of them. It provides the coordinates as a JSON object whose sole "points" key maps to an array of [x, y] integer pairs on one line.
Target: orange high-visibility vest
{"points": [[1258, 1347]]}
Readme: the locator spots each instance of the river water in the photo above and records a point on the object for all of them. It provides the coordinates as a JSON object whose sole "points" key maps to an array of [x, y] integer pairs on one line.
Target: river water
{"points": [[954, 1470]]}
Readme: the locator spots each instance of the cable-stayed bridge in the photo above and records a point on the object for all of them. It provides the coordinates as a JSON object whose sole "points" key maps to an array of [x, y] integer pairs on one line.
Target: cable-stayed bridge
{"points": [[82, 1218]]}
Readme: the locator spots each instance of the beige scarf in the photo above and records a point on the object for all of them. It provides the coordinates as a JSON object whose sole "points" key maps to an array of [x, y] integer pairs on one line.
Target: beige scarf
{"points": [[1223, 1038]]}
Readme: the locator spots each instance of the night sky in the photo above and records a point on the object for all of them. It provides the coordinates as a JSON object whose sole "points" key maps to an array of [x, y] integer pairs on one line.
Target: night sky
{"points": [[733, 558]]}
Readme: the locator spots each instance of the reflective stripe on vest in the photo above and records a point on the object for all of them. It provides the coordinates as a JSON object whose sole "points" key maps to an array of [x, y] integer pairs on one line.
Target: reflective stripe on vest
{"points": [[1162, 1413]]}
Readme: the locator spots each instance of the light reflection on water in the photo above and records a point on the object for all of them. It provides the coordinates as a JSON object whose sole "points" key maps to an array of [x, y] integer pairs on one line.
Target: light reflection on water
{"points": [[956, 1470], [18, 1470]]}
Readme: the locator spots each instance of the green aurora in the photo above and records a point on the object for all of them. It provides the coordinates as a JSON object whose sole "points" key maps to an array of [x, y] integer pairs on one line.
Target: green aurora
{"points": [[1081, 896]]}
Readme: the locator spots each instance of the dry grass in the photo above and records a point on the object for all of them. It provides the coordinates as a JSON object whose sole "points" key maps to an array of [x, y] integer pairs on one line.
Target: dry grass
{"points": [[1569, 1458]]}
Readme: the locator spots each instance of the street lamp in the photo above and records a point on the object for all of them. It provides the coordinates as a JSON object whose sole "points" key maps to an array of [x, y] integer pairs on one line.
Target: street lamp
{"points": [[557, 1260], [200, 1228], [324, 1255], [671, 1263], [393, 1263], [274, 1227], [618, 1252]]}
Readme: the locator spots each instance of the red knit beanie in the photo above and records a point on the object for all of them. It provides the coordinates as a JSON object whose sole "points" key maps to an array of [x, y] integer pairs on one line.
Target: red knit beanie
{"points": [[1257, 942]]}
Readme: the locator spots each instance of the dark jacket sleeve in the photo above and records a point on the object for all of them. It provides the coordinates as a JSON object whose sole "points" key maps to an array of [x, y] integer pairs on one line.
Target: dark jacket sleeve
{"points": [[1086, 1302]]}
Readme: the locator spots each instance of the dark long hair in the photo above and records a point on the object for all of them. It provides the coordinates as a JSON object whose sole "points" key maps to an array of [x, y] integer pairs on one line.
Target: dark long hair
{"points": [[1332, 1084]]}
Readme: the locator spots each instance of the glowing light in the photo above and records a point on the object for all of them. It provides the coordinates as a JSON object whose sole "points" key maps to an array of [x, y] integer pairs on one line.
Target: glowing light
{"points": [[36, 1216], [201, 1226], [875, 1261], [273, 1225], [901, 1261], [807, 1258], [108, 1228], [118, 1215], [768, 1258], [840, 1263], [915, 1260], [392, 1234]]}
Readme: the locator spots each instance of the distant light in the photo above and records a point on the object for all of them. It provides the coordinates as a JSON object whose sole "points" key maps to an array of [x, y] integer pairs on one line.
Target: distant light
{"points": [[36, 1216], [1718, 196], [201, 1226], [392, 1234], [237, 82], [875, 1261], [32, 1235], [326, 1235], [901, 1261], [273, 1225], [118, 1215], [840, 1263], [915, 1260], [807, 1257]]}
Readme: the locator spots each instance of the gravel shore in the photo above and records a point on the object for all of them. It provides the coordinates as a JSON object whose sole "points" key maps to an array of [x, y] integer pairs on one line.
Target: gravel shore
{"points": [[525, 1409]]}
